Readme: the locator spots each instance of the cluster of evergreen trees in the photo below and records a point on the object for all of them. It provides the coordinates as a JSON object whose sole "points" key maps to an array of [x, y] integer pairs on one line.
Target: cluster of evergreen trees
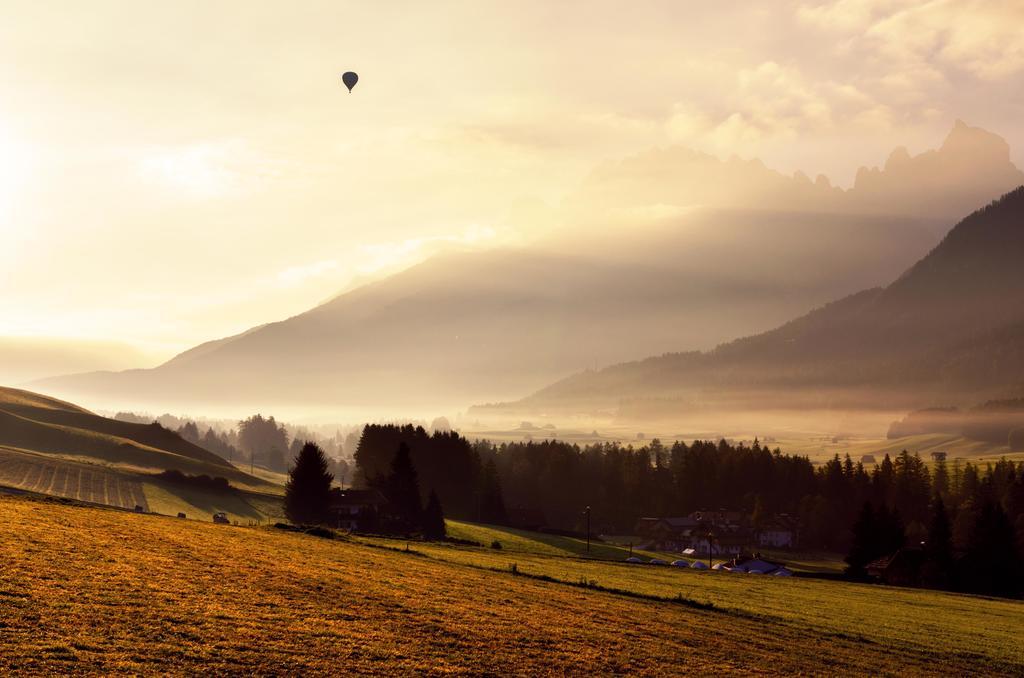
{"points": [[406, 513], [622, 484], [264, 440], [445, 463], [985, 557], [477, 481], [218, 443], [966, 524], [308, 494]]}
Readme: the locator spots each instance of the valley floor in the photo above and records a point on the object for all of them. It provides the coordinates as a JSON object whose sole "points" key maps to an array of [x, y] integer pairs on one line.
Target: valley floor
{"points": [[97, 591]]}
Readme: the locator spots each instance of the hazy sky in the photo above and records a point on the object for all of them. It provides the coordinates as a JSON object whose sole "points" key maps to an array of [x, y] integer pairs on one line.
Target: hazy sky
{"points": [[173, 172]]}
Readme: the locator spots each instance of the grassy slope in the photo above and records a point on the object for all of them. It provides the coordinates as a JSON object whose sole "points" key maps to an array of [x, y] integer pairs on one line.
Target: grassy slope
{"points": [[53, 447], [146, 594], [31, 414], [513, 541], [537, 543], [114, 486], [902, 620], [274, 478]]}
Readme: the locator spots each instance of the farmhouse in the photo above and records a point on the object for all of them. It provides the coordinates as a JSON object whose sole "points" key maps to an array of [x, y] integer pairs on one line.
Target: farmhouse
{"points": [[669, 534], [352, 509], [779, 532], [727, 543], [902, 568], [729, 533]]}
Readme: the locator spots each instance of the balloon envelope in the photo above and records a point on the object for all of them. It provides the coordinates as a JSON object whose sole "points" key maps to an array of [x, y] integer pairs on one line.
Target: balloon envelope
{"points": [[350, 79]]}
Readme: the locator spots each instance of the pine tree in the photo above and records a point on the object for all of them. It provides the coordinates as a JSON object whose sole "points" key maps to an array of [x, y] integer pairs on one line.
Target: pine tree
{"points": [[864, 548], [308, 490], [940, 479], [937, 571], [403, 491], [963, 524], [433, 519], [492, 502], [992, 563], [892, 533]]}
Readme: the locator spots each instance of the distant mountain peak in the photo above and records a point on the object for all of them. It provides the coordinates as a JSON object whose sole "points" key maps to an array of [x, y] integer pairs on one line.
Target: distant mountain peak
{"points": [[971, 167], [977, 143], [899, 156]]}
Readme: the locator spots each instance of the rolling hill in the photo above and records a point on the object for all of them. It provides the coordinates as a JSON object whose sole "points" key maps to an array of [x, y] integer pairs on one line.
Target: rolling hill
{"points": [[950, 330], [640, 271], [49, 446], [36, 422]]}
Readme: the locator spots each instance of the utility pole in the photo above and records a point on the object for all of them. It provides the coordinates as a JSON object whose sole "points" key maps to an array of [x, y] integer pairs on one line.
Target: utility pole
{"points": [[588, 530]]}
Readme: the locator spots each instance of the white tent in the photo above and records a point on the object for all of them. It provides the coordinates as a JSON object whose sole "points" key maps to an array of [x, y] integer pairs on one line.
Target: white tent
{"points": [[763, 566], [699, 565], [633, 559], [680, 563], [782, 572], [657, 561]]}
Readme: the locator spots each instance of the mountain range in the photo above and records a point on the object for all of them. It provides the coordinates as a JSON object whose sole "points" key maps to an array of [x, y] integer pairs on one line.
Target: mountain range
{"points": [[948, 331], [679, 251]]}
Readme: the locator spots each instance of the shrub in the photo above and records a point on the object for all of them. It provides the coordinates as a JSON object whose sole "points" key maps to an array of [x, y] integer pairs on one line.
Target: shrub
{"points": [[217, 484], [496, 545], [318, 531]]}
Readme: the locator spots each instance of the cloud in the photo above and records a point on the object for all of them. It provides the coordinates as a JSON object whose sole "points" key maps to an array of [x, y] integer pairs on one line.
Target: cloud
{"points": [[771, 101], [847, 15], [382, 257], [920, 41], [204, 170], [296, 275]]}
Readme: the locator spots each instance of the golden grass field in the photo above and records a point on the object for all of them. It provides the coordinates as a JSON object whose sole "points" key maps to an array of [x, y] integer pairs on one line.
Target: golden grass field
{"points": [[903, 620], [98, 591]]}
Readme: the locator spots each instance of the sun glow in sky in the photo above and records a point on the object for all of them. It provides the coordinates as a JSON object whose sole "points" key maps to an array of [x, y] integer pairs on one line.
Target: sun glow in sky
{"points": [[175, 172]]}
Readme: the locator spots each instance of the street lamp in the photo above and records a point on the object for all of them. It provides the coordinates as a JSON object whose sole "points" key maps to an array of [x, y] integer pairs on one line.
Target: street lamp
{"points": [[710, 536]]}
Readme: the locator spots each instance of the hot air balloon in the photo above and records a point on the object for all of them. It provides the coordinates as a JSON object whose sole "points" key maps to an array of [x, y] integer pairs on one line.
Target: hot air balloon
{"points": [[350, 79]]}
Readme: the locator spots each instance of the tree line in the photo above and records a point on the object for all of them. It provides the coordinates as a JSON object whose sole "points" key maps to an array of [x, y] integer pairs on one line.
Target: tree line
{"points": [[867, 510]]}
